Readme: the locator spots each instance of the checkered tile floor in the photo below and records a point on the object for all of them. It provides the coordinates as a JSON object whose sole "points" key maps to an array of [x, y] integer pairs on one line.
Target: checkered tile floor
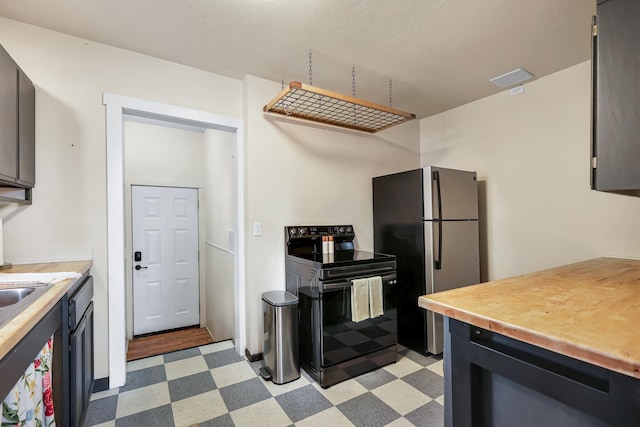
{"points": [[213, 386]]}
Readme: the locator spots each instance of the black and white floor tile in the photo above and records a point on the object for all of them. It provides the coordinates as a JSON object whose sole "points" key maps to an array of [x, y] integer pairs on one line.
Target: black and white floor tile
{"points": [[213, 386]]}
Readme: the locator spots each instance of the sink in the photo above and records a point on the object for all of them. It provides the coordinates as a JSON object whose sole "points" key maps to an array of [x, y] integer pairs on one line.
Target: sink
{"points": [[11, 296]]}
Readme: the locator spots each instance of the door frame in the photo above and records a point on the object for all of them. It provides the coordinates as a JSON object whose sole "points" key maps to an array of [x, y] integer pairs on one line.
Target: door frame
{"points": [[120, 108]]}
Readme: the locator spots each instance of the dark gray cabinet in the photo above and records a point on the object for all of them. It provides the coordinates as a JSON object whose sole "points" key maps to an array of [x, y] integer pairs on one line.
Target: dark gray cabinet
{"points": [[80, 352], [26, 131], [494, 380], [8, 118], [17, 125], [616, 97]]}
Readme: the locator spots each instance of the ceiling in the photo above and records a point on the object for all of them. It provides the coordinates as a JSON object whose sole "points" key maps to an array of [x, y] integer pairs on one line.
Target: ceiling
{"points": [[439, 53]]}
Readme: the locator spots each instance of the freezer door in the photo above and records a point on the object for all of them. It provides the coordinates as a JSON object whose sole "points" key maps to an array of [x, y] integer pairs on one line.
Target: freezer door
{"points": [[452, 260], [450, 194]]}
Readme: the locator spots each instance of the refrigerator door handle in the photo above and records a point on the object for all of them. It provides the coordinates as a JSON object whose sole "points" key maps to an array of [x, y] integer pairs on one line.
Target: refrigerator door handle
{"points": [[437, 262]]}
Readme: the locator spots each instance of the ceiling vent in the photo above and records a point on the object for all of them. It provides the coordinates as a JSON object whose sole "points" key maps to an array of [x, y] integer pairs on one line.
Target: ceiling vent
{"points": [[511, 78]]}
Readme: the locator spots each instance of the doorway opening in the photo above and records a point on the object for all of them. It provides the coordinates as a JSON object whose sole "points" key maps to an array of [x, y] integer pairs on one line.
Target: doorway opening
{"points": [[121, 109]]}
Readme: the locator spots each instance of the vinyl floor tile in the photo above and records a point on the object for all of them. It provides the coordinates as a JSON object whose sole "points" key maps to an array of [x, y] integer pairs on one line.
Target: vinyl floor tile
{"points": [[402, 367], [302, 403], [264, 414], [144, 377], [144, 363], [102, 410], [329, 417], [154, 417], [400, 396], [142, 399], [427, 382], [278, 389], [216, 346], [233, 394], [222, 358], [185, 367], [232, 373], [181, 354], [221, 421], [368, 410], [429, 415], [375, 379], [244, 393], [341, 392], [189, 411], [437, 368], [191, 385]]}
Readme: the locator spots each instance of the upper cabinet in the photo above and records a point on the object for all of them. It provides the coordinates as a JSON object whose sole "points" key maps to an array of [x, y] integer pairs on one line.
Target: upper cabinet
{"points": [[26, 131], [616, 97], [17, 129], [8, 118]]}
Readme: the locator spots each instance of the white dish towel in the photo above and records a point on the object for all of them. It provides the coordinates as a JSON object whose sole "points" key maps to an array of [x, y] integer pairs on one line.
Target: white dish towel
{"points": [[359, 300], [375, 296], [37, 278]]}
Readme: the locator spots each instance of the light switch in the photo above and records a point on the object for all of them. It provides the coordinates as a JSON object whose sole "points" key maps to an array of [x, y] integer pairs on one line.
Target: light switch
{"points": [[257, 229]]}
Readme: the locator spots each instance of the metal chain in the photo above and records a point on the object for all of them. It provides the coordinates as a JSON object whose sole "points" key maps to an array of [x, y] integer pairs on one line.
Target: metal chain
{"points": [[310, 69], [353, 80], [353, 90], [282, 85], [390, 92]]}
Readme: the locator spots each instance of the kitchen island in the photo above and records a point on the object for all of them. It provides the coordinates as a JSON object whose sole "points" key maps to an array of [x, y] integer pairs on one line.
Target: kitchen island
{"points": [[555, 347]]}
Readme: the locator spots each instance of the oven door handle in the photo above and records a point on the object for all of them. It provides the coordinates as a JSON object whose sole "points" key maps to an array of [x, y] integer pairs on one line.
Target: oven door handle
{"points": [[347, 283]]}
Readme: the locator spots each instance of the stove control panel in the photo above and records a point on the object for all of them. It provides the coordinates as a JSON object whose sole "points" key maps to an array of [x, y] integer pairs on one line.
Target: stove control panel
{"points": [[308, 231]]}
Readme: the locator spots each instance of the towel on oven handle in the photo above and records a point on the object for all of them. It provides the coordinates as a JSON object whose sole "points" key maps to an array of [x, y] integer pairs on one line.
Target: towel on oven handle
{"points": [[359, 300], [375, 296]]}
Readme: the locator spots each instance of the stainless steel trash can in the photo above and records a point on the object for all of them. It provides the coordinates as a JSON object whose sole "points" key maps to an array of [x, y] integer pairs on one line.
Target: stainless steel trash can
{"points": [[280, 346]]}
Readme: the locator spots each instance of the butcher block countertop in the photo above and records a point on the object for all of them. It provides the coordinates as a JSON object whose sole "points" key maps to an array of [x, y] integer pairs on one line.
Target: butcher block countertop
{"points": [[14, 330], [588, 310]]}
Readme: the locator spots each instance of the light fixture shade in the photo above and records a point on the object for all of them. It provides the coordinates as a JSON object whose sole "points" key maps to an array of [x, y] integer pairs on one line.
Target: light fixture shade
{"points": [[512, 77], [320, 105]]}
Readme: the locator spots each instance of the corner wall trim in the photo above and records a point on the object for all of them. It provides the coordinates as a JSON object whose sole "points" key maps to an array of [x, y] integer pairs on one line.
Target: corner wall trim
{"points": [[252, 357]]}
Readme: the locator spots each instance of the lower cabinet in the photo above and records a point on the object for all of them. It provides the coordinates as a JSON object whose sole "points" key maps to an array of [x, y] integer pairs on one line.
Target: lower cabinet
{"points": [[80, 352], [70, 321]]}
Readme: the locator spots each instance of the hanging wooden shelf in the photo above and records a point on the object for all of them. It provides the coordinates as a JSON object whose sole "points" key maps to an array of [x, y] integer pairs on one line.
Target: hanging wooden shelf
{"points": [[319, 105]]}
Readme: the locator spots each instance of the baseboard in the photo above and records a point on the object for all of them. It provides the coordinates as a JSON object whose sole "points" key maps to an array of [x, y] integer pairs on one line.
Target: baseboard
{"points": [[100, 384], [252, 357]]}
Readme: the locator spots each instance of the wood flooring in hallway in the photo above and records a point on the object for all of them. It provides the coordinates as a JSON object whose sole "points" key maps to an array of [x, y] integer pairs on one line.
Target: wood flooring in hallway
{"points": [[166, 342]]}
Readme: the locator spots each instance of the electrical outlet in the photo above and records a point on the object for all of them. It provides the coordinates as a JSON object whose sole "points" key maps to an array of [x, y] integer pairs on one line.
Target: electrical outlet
{"points": [[257, 229]]}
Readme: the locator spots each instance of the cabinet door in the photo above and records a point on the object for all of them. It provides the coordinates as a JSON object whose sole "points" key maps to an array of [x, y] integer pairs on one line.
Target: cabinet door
{"points": [[81, 367], [26, 131], [8, 118], [616, 101]]}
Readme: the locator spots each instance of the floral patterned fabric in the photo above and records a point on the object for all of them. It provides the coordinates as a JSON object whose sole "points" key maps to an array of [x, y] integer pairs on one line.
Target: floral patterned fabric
{"points": [[30, 403]]}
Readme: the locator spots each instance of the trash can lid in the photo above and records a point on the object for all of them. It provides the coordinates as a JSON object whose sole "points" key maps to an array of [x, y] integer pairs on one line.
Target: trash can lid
{"points": [[279, 298]]}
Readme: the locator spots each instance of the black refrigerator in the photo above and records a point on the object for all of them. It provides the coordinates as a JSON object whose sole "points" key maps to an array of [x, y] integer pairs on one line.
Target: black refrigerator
{"points": [[428, 219]]}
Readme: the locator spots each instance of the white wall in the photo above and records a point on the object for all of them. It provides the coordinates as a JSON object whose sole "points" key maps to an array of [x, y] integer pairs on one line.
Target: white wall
{"points": [[162, 156], [68, 216], [295, 173], [307, 174], [219, 249], [533, 153]]}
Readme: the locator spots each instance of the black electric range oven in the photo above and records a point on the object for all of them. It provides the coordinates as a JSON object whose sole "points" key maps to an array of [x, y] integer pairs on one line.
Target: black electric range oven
{"points": [[333, 348]]}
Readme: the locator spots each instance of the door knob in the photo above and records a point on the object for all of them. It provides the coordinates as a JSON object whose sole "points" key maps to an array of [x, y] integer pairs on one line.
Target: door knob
{"points": [[139, 267]]}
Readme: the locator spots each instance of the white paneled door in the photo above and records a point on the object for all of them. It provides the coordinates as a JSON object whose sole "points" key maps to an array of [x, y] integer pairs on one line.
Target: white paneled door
{"points": [[165, 258]]}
